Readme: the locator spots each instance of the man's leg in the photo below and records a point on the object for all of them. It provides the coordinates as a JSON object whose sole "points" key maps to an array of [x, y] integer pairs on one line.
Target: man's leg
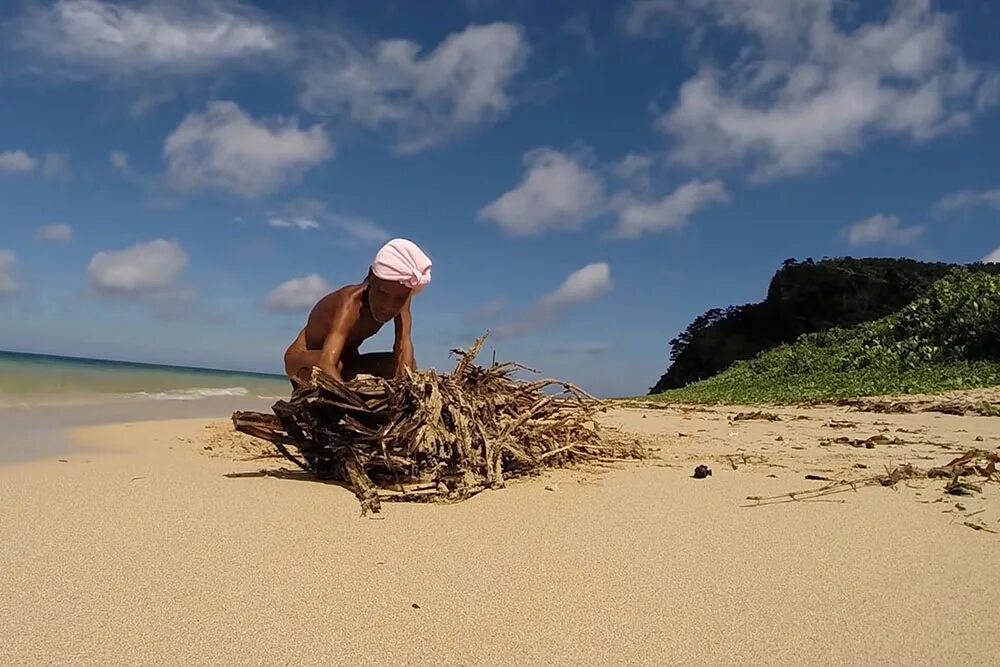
{"points": [[299, 364], [379, 364]]}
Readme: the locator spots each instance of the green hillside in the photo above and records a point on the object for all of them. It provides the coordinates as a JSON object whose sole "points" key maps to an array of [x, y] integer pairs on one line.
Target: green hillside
{"points": [[802, 297], [947, 338]]}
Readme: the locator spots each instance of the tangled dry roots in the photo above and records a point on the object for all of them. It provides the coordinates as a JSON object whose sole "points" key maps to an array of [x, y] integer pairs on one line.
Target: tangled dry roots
{"points": [[435, 437]]}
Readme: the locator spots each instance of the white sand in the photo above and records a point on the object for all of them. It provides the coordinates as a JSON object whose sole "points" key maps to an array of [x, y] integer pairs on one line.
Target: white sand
{"points": [[140, 550]]}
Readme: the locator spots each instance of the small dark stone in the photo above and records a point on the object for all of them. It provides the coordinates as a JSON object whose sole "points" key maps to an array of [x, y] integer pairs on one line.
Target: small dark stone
{"points": [[416, 606], [702, 471]]}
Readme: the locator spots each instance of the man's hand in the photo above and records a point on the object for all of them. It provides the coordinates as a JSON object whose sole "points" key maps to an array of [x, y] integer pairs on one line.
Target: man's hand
{"points": [[403, 356]]}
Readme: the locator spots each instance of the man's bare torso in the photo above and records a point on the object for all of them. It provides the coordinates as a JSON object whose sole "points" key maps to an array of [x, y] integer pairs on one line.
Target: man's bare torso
{"points": [[326, 312]]}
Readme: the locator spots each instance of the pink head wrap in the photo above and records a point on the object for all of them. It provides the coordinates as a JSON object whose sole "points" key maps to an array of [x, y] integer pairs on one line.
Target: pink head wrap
{"points": [[401, 261]]}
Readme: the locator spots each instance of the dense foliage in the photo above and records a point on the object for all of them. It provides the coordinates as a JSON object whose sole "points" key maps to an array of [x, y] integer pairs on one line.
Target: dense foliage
{"points": [[948, 338], [803, 297]]}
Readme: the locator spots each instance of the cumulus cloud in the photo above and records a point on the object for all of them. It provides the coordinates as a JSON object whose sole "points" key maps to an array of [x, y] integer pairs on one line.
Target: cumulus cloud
{"points": [[558, 191], [51, 165], [16, 162], [297, 295], [562, 191], [632, 167], [56, 233], [580, 287], [425, 97], [807, 88], [992, 258], [882, 228], [224, 148], [672, 211], [586, 284], [83, 38], [8, 285], [964, 199], [144, 270]]}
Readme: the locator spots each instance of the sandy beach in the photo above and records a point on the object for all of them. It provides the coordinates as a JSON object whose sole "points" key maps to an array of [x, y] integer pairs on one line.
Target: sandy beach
{"points": [[168, 543]]}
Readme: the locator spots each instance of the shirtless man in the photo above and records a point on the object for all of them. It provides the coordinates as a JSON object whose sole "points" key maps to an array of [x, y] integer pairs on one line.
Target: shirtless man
{"points": [[341, 321]]}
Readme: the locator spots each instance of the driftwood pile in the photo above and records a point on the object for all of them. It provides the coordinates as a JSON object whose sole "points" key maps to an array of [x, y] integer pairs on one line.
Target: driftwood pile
{"points": [[435, 436]]}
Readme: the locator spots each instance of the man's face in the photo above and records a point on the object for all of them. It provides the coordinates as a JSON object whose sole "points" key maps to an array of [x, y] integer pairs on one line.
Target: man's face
{"points": [[386, 298]]}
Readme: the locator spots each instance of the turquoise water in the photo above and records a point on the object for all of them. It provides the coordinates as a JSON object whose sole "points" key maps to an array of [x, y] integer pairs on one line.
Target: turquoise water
{"points": [[30, 379]]}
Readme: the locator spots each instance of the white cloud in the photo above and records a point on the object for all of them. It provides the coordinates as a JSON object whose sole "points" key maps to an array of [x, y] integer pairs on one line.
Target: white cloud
{"points": [[143, 270], [558, 191], [426, 97], [223, 148], [806, 89], [16, 162], [358, 230], [52, 165], [963, 199], [8, 285], [632, 166], [119, 160], [297, 223], [55, 165], [582, 286], [297, 295], [55, 233], [882, 228], [306, 213], [586, 284], [671, 212], [993, 257], [119, 39]]}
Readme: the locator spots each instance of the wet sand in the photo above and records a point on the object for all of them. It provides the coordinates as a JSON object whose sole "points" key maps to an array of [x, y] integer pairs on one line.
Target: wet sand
{"points": [[144, 547]]}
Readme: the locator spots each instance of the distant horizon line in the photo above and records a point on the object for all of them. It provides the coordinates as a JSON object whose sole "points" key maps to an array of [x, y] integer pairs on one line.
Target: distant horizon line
{"points": [[145, 364]]}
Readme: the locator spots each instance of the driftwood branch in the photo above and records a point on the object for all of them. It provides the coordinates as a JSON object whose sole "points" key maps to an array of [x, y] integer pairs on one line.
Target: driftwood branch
{"points": [[434, 436]]}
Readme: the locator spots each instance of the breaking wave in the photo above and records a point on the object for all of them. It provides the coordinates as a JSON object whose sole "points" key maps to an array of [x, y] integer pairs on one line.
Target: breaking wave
{"points": [[193, 394]]}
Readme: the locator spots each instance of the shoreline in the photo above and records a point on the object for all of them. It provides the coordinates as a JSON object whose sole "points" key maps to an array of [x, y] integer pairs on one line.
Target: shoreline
{"points": [[144, 544], [41, 431]]}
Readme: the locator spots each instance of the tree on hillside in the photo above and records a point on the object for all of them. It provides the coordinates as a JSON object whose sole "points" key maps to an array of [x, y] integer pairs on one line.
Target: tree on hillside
{"points": [[803, 297]]}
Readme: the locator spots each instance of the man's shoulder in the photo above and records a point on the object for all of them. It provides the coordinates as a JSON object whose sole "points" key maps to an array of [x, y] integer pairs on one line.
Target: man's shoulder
{"points": [[347, 297]]}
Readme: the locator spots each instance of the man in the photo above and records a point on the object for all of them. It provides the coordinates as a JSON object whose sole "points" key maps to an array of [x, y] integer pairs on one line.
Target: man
{"points": [[341, 321]]}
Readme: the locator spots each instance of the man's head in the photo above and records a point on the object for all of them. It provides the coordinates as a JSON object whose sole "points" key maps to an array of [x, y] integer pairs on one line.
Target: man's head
{"points": [[399, 269]]}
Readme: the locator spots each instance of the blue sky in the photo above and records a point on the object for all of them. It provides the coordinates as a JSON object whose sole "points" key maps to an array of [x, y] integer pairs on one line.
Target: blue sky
{"points": [[180, 181]]}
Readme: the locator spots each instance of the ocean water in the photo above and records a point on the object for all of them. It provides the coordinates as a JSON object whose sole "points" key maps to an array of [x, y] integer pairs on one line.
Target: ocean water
{"points": [[30, 380]]}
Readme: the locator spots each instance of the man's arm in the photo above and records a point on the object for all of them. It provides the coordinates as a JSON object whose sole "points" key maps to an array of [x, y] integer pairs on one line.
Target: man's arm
{"points": [[402, 348], [333, 347]]}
